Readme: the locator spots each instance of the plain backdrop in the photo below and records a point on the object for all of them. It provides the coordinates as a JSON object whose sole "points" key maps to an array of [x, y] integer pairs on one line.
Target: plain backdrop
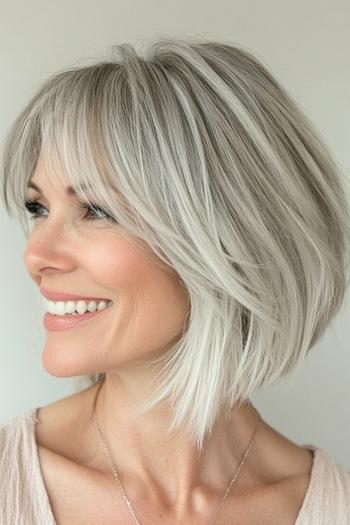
{"points": [[305, 44]]}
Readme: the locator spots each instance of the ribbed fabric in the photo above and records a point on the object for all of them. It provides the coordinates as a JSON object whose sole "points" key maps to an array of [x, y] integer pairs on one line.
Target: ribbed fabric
{"points": [[23, 496], [24, 499]]}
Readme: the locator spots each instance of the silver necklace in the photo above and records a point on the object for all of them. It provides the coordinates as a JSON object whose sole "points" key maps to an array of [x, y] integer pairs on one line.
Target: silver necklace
{"points": [[130, 507]]}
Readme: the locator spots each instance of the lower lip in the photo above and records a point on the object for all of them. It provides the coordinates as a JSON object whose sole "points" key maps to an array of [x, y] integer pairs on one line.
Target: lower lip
{"points": [[56, 323]]}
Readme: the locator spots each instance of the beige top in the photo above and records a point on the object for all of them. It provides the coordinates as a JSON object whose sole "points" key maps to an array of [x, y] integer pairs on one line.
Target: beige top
{"points": [[24, 499]]}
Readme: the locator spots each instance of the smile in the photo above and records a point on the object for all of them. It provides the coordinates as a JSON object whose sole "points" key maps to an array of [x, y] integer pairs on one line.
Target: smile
{"points": [[56, 323]]}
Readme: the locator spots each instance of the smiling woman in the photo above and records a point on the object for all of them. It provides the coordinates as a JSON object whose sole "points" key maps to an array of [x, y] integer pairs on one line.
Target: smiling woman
{"points": [[188, 190]]}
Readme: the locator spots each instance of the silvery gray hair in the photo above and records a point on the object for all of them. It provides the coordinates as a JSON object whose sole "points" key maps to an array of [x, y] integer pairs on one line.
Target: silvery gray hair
{"points": [[196, 150]]}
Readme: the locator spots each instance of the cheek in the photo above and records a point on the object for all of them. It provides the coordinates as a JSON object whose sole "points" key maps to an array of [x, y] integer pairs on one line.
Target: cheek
{"points": [[116, 264], [136, 274]]}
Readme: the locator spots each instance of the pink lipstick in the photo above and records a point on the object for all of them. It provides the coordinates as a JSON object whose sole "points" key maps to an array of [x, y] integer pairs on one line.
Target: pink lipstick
{"points": [[56, 323]]}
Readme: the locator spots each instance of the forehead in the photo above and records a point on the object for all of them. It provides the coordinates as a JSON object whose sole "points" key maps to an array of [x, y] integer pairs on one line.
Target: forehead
{"points": [[41, 177], [69, 190], [52, 175]]}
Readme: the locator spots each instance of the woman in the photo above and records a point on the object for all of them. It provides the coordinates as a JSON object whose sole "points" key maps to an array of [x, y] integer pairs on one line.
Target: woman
{"points": [[189, 240]]}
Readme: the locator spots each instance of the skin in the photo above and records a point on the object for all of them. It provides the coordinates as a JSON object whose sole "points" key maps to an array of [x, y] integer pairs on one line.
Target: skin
{"points": [[67, 253]]}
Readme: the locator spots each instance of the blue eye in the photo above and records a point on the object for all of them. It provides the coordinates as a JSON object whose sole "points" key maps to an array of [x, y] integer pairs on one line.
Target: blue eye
{"points": [[33, 207]]}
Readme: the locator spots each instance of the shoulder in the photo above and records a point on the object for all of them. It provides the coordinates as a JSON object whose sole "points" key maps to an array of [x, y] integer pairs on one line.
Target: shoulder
{"points": [[328, 498], [17, 443], [15, 436], [61, 425], [18, 470]]}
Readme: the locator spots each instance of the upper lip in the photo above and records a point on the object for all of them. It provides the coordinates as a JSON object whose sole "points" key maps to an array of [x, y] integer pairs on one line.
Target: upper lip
{"points": [[59, 296]]}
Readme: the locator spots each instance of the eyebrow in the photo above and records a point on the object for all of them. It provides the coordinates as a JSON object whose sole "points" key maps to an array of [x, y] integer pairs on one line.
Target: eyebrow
{"points": [[69, 189]]}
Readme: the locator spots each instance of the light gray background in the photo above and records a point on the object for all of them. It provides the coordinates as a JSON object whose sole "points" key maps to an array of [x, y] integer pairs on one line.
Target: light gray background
{"points": [[306, 46]]}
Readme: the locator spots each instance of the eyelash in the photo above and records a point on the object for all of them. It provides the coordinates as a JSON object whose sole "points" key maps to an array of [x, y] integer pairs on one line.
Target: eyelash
{"points": [[33, 207]]}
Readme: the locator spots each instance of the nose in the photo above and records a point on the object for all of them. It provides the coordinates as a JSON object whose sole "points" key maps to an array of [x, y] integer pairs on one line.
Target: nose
{"points": [[48, 248]]}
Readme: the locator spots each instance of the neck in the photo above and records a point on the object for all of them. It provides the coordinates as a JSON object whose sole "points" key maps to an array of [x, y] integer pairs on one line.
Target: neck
{"points": [[152, 460]]}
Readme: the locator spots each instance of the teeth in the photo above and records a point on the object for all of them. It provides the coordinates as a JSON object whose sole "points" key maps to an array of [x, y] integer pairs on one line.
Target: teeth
{"points": [[75, 307]]}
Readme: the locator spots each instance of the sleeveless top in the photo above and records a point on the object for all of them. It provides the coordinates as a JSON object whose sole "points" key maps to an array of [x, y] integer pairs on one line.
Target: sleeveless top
{"points": [[24, 499]]}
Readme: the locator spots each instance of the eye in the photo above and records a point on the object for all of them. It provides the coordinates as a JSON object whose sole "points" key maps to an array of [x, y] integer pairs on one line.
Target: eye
{"points": [[34, 207], [94, 209]]}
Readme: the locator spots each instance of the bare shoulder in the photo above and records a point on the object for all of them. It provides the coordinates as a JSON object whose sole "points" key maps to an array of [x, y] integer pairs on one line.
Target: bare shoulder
{"points": [[62, 425], [276, 491], [282, 463], [285, 469]]}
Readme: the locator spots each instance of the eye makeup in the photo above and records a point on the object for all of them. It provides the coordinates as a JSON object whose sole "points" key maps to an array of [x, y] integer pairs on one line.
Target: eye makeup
{"points": [[34, 207]]}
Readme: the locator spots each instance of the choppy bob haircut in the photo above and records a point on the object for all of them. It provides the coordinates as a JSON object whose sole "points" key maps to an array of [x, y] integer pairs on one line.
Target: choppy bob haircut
{"points": [[196, 150]]}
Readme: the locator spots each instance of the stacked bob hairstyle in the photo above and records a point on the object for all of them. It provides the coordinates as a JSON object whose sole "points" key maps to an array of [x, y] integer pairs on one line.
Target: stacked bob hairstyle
{"points": [[196, 150]]}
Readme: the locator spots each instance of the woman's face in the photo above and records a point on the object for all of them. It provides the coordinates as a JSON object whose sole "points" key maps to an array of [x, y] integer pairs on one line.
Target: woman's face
{"points": [[67, 252]]}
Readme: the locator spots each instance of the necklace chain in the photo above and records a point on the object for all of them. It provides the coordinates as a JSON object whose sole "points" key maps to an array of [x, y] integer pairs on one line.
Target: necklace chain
{"points": [[130, 507]]}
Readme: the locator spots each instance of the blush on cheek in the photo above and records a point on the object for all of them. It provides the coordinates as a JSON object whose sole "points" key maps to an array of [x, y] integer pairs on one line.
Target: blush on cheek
{"points": [[118, 265]]}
